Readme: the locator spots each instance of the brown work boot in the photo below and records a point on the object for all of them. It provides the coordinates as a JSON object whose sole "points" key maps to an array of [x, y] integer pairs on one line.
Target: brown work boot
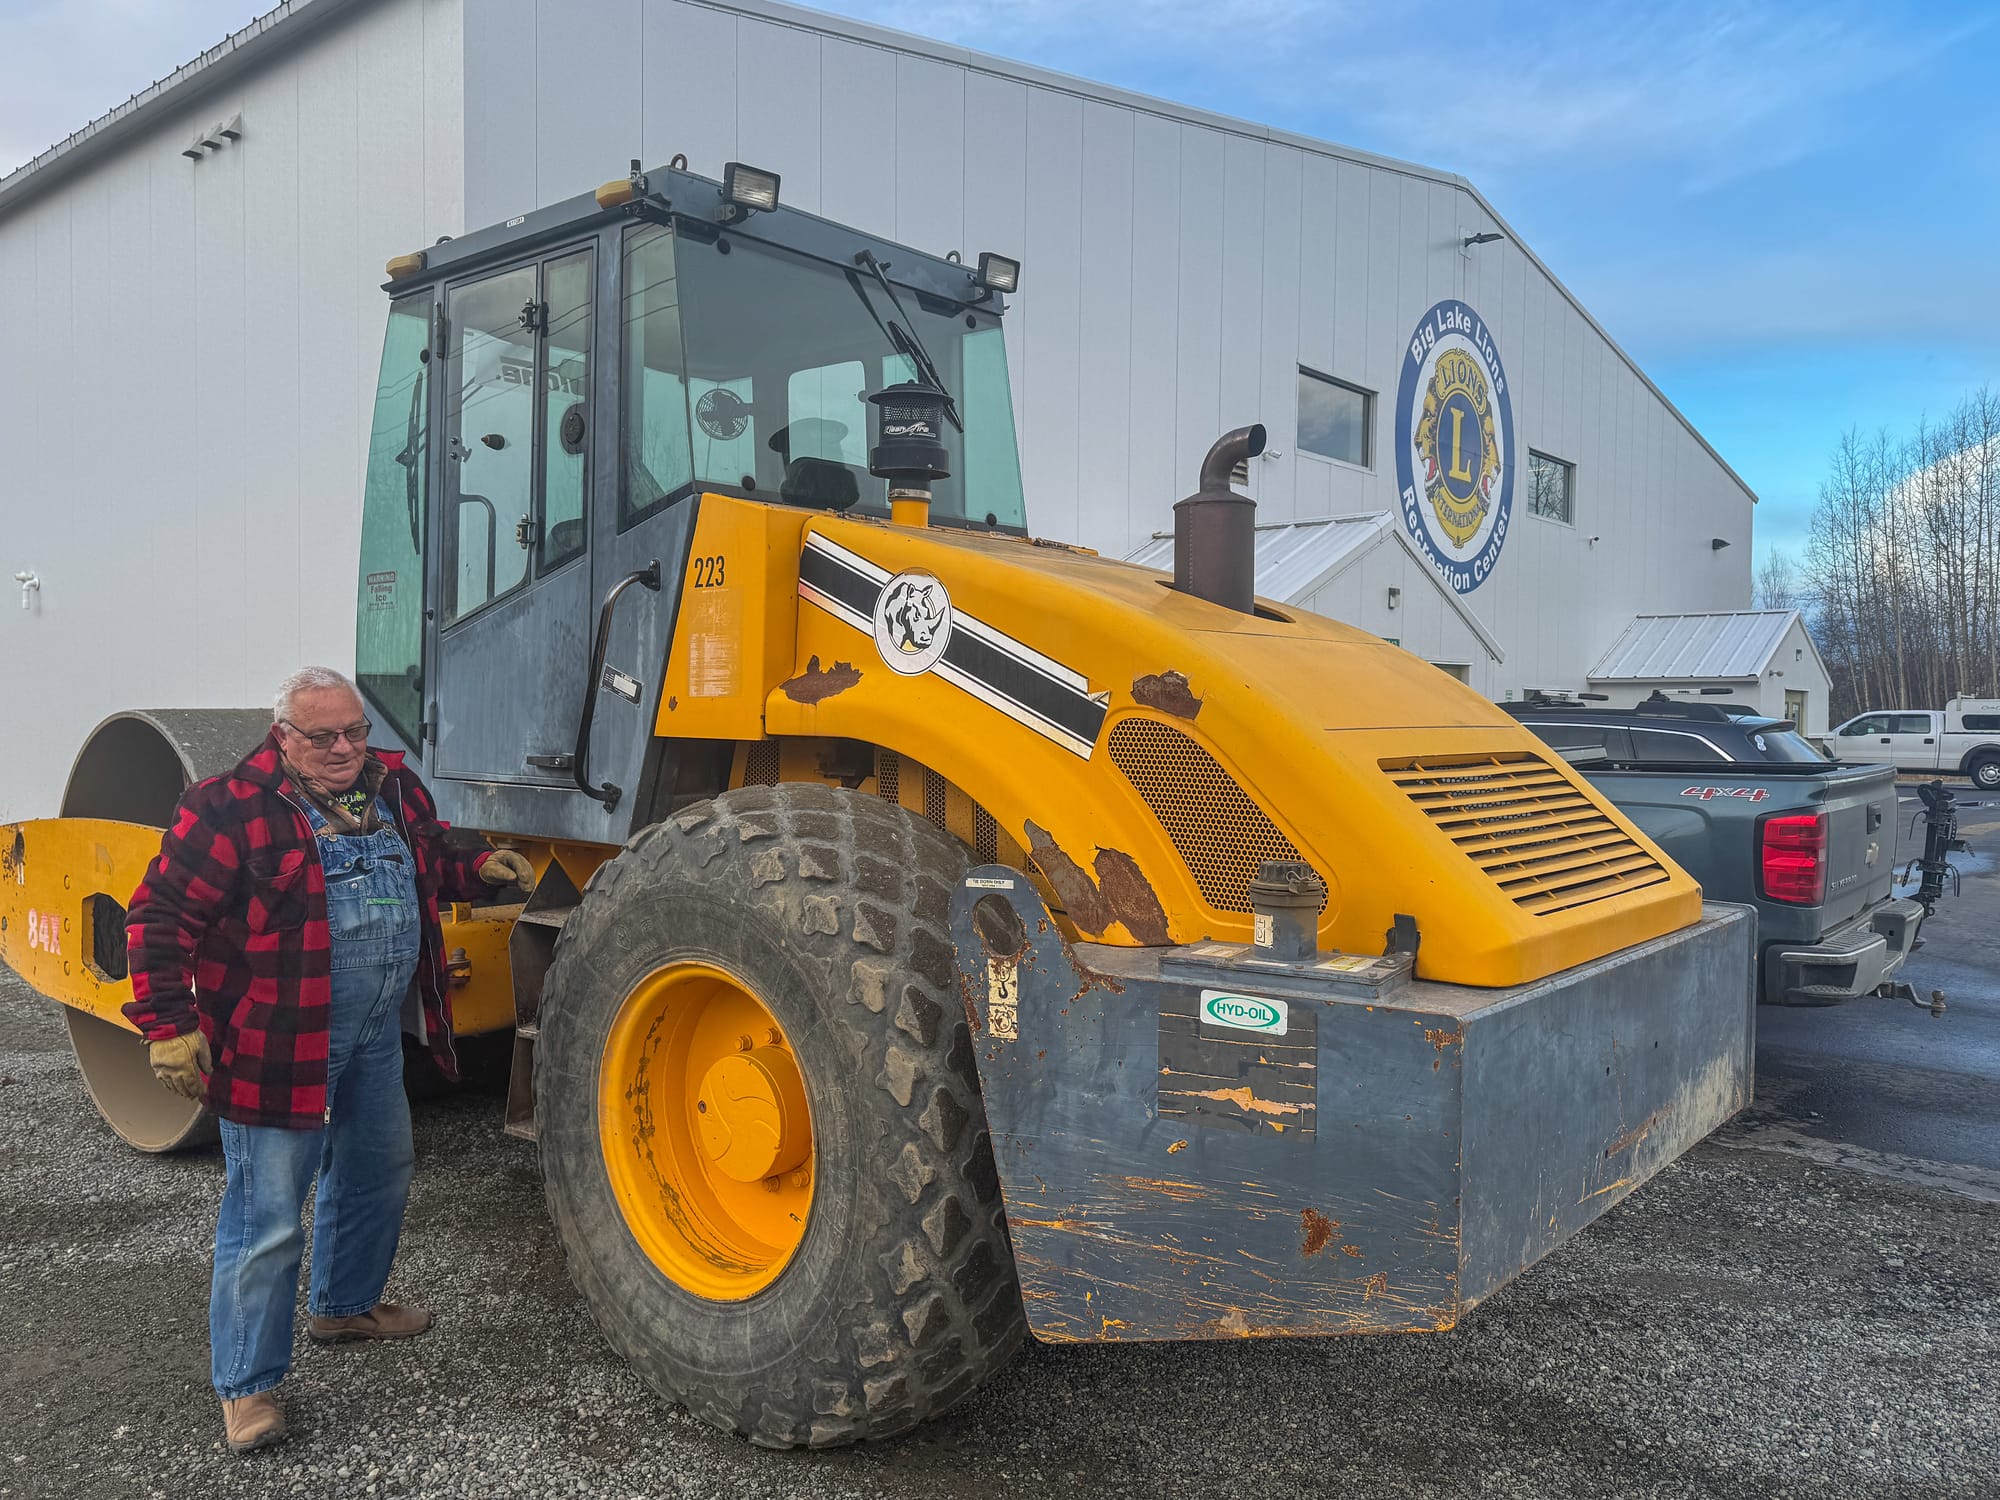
{"points": [[385, 1320], [252, 1422]]}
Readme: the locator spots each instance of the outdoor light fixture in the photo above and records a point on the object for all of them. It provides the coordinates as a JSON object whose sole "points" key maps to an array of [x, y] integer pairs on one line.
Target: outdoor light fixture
{"points": [[997, 273], [1486, 238], [30, 585], [747, 190], [1717, 543], [1395, 596]]}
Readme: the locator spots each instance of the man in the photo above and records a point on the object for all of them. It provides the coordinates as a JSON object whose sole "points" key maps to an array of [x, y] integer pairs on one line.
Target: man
{"points": [[272, 945]]}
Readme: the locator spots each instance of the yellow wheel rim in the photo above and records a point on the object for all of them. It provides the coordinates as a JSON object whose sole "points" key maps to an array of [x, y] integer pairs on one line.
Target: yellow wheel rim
{"points": [[706, 1133]]}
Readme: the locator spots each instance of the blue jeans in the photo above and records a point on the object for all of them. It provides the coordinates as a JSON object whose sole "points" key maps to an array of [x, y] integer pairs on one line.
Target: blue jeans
{"points": [[362, 1154]]}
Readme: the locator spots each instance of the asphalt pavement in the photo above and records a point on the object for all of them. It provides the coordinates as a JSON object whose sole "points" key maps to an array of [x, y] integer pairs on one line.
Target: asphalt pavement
{"points": [[1807, 1305], [1878, 1086]]}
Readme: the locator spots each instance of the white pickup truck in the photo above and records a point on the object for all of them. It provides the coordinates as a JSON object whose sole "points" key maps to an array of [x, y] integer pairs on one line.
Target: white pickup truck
{"points": [[1963, 740]]}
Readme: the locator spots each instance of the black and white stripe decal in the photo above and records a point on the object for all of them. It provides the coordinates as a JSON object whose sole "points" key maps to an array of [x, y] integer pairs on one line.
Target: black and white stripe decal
{"points": [[995, 668]]}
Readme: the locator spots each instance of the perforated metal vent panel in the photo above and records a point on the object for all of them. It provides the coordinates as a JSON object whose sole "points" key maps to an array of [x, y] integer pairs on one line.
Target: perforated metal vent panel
{"points": [[1545, 844], [1219, 833], [760, 764]]}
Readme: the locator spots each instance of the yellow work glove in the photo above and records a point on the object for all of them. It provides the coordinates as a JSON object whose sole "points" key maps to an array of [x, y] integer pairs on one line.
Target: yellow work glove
{"points": [[182, 1064], [506, 867]]}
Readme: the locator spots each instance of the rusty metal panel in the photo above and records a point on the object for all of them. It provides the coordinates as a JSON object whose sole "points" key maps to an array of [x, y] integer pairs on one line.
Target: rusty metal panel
{"points": [[1372, 1159], [1582, 1087]]}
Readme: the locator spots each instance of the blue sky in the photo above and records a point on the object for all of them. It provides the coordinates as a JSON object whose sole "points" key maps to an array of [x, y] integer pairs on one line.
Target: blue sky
{"points": [[1783, 211]]}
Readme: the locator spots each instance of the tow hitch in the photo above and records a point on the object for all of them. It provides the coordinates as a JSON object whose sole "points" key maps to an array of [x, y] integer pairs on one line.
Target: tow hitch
{"points": [[1896, 989]]}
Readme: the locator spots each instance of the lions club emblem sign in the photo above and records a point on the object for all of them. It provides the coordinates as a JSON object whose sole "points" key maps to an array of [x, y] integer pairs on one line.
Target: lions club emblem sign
{"points": [[912, 623], [1455, 445]]}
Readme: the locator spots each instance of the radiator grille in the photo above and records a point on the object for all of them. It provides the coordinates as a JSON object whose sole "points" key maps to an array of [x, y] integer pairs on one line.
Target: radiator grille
{"points": [[888, 775], [1219, 833], [1546, 845]]}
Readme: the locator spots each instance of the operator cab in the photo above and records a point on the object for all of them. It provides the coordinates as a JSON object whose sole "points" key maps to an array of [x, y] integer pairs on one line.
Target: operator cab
{"points": [[554, 393]]}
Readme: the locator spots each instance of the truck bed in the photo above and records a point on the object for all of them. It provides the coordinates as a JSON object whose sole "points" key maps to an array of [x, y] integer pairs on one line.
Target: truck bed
{"points": [[1707, 816]]}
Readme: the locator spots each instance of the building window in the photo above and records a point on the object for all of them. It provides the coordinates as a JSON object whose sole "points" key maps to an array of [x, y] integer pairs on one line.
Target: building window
{"points": [[1551, 488], [1335, 419]]}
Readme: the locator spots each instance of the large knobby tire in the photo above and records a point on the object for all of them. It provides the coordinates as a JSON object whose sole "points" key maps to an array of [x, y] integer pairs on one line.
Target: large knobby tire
{"points": [[831, 908]]}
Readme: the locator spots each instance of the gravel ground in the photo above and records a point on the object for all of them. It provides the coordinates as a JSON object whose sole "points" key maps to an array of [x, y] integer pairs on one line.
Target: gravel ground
{"points": [[1749, 1325]]}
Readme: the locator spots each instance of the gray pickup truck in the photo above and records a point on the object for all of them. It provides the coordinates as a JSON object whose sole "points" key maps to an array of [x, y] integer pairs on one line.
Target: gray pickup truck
{"points": [[1746, 806]]}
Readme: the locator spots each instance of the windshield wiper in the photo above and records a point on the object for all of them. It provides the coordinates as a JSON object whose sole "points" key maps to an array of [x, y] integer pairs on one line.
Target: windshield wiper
{"points": [[411, 458], [904, 340]]}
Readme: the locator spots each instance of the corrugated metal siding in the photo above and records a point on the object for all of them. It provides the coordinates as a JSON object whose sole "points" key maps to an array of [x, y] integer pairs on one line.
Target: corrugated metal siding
{"points": [[1682, 647], [1178, 269], [187, 358]]}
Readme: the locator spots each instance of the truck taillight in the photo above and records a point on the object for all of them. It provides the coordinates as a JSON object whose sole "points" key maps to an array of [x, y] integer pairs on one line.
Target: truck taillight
{"points": [[1792, 859]]}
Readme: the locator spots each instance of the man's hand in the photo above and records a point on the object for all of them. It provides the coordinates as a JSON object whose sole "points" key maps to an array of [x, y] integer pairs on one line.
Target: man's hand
{"points": [[506, 867], [182, 1064]]}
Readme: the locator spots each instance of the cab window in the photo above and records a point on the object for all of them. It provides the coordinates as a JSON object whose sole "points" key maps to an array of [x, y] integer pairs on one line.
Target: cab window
{"points": [[1613, 741], [389, 616], [566, 408], [1867, 724], [658, 463], [517, 421], [1671, 745]]}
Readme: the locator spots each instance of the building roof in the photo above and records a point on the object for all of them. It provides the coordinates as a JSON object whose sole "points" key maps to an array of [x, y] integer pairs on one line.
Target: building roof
{"points": [[1684, 648], [293, 19], [1295, 559]]}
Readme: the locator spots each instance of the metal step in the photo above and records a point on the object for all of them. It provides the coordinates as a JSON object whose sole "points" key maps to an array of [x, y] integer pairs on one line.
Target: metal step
{"points": [[531, 949], [548, 916]]}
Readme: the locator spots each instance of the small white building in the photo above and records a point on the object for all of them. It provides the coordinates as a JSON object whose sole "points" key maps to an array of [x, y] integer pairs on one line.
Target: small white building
{"points": [[193, 319], [1762, 657]]}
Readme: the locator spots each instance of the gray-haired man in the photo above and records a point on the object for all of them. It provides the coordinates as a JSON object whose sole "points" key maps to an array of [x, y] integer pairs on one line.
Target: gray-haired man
{"points": [[273, 942]]}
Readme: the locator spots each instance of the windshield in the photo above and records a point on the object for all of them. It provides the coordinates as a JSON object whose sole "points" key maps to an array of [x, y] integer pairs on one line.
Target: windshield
{"points": [[770, 357]]}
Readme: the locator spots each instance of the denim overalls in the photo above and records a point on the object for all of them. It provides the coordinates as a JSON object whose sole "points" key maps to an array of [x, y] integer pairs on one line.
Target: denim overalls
{"points": [[362, 1152]]}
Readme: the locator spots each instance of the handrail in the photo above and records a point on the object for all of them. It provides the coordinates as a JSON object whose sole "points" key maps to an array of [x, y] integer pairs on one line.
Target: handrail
{"points": [[608, 794]]}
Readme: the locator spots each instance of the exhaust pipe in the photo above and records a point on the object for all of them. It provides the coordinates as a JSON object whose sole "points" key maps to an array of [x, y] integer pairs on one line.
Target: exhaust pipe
{"points": [[1215, 530]]}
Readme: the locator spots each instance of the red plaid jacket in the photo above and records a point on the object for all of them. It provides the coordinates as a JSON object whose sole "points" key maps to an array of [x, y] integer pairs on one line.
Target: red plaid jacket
{"points": [[228, 932]]}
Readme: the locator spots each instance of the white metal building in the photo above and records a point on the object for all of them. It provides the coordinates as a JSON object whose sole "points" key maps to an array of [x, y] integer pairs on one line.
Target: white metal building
{"points": [[190, 335], [1763, 657]]}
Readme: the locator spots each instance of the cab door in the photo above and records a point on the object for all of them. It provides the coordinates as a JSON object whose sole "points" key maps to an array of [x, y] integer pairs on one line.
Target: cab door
{"points": [[1864, 741], [1913, 742], [513, 582]]}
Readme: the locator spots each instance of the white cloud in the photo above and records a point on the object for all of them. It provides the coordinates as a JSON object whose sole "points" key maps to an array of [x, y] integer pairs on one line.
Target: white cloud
{"points": [[1719, 90]]}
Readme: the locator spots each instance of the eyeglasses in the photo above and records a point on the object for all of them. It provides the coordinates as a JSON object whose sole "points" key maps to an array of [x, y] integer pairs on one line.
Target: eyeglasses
{"points": [[354, 734]]}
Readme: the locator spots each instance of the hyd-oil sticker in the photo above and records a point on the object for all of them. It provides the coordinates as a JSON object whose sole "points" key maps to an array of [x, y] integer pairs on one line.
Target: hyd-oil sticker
{"points": [[1245, 1012]]}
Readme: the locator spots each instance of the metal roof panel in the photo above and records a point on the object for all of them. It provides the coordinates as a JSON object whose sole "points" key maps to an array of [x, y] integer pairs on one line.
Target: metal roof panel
{"points": [[1293, 557], [1674, 648]]}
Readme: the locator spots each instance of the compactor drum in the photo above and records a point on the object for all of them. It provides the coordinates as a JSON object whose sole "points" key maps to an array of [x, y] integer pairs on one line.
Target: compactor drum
{"points": [[937, 934]]}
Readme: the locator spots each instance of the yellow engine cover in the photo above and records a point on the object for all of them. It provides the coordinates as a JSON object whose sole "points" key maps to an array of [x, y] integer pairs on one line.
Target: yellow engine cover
{"points": [[1150, 749]]}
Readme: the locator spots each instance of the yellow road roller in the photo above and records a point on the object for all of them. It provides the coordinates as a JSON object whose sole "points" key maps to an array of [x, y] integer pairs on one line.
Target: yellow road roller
{"points": [[940, 934]]}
